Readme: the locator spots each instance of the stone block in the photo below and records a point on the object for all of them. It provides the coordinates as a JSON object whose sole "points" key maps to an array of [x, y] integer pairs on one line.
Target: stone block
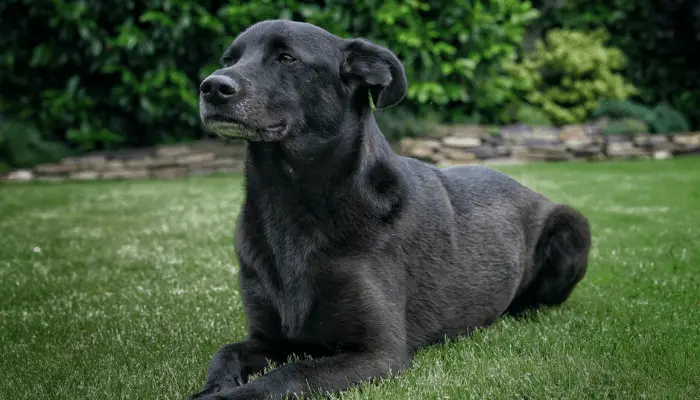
{"points": [[196, 158], [172, 150], [661, 155], [516, 133], [126, 174], [85, 175], [93, 162], [686, 150], [423, 149], [619, 139], [138, 163], [519, 152], [20, 175], [549, 153], [573, 132], [501, 151], [461, 142], [641, 140], [624, 150], [541, 142], [552, 135], [162, 162], [655, 140], [228, 162], [114, 165], [494, 140], [459, 155], [690, 139], [483, 152], [469, 131], [588, 152], [575, 144], [169, 173], [55, 169]]}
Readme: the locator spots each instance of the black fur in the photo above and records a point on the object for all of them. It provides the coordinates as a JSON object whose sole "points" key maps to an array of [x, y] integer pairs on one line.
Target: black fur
{"points": [[349, 252]]}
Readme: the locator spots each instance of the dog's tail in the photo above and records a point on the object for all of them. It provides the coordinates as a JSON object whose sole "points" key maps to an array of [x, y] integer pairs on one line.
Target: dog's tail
{"points": [[560, 260]]}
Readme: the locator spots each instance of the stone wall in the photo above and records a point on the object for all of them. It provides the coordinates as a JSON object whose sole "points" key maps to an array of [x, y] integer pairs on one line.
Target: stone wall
{"points": [[170, 161], [444, 145], [466, 144]]}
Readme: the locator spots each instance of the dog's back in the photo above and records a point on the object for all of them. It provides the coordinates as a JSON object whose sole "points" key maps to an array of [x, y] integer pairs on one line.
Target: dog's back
{"points": [[476, 239]]}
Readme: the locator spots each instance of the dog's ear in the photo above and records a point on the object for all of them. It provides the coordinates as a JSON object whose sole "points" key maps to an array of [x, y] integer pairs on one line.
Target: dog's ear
{"points": [[377, 69]]}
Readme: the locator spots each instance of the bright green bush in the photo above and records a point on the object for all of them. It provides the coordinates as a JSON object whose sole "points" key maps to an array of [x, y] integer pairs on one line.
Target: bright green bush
{"points": [[570, 73], [116, 74]]}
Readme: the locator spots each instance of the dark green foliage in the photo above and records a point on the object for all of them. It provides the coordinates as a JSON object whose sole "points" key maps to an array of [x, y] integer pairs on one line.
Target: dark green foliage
{"points": [[661, 119], [22, 145], [661, 40], [125, 73], [530, 115], [625, 126], [398, 122], [106, 74], [669, 120], [622, 109]]}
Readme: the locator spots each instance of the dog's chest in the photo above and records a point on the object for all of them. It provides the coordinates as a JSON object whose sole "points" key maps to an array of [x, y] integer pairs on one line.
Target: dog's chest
{"points": [[279, 263]]}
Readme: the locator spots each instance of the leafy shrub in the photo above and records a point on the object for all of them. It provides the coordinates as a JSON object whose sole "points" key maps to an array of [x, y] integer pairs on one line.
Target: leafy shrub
{"points": [[533, 116], [625, 126], [659, 38], [21, 145], [570, 73], [661, 119], [116, 74]]}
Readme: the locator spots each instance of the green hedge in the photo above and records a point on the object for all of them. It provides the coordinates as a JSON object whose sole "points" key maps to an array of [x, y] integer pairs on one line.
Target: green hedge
{"points": [[125, 73], [112, 74]]}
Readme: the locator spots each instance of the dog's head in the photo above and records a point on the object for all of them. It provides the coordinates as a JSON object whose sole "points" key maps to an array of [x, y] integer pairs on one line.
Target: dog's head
{"points": [[283, 78]]}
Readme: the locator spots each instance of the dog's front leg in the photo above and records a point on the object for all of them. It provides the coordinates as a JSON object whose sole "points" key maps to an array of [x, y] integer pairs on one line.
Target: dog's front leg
{"points": [[232, 364], [321, 376]]}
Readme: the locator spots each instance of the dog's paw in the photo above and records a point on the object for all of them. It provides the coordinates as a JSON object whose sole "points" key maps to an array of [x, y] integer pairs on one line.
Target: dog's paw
{"points": [[226, 371], [207, 390], [212, 388], [237, 393]]}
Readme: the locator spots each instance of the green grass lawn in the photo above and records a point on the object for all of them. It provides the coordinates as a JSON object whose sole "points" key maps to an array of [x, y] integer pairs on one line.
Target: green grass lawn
{"points": [[123, 290]]}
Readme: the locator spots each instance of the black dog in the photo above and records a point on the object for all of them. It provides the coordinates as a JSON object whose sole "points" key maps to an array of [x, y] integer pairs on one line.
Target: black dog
{"points": [[348, 252]]}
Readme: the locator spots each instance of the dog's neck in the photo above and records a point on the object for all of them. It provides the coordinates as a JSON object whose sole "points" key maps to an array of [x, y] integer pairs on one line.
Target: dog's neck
{"points": [[317, 162]]}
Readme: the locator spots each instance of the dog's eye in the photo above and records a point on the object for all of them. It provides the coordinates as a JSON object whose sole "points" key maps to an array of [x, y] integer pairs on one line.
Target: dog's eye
{"points": [[285, 58], [227, 61]]}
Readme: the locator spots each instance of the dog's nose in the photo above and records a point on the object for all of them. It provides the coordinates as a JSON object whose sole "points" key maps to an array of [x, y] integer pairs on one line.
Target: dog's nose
{"points": [[218, 89]]}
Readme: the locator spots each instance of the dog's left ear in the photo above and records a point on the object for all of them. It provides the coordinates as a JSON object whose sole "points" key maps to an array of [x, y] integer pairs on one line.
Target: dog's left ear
{"points": [[377, 69]]}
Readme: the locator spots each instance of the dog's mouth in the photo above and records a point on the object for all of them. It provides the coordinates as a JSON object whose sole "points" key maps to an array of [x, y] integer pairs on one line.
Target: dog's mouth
{"points": [[230, 127]]}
